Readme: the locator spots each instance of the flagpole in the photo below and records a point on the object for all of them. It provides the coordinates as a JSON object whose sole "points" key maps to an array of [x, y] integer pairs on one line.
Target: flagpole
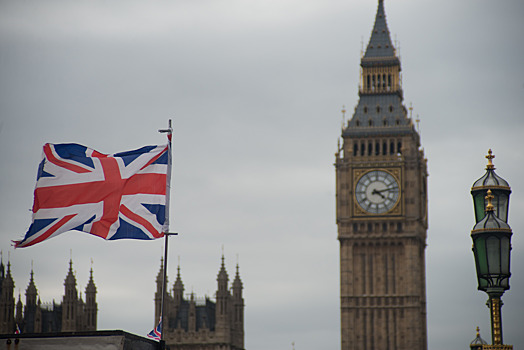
{"points": [[166, 232]]}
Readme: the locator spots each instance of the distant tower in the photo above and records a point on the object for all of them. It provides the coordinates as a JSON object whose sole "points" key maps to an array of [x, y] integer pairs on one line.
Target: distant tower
{"points": [[222, 308], [32, 314], [158, 293], [381, 210], [70, 301], [91, 307], [7, 303], [237, 332]]}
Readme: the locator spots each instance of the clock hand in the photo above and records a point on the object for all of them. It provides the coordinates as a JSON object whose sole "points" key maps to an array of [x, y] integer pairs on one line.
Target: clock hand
{"points": [[385, 189], [375, 191]]}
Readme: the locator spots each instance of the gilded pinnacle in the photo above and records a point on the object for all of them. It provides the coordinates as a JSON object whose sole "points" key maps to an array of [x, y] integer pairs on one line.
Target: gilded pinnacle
{"points": [[489, 157], [489, 197]]}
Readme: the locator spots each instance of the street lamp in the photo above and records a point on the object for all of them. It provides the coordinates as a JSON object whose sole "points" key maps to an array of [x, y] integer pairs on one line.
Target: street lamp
{"points": [[491, 247], [499, 188]]}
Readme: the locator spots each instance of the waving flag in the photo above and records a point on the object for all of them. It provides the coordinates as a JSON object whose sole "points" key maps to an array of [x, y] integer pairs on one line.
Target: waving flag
{"points": [[157, 332], [116, 196]]}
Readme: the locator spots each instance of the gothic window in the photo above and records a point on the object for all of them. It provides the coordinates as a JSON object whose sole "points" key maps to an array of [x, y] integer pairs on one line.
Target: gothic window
{"points": [[377, 149], [374, 83], [355, 149], [385, 122], [384, 148], [390, 108], [355, 228], [391, 148], [370, 122], [362, 149], [399, 148], [399, 227], [397, 122], [370, 149], [384, 81], [389, 81], [357, 123], [384, 227], [378, 109], [370, 227], [365, 109], [368, 85]]}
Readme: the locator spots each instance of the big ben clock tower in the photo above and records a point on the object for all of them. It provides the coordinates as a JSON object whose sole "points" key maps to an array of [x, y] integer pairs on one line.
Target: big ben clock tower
{"points": [[381, 210]]}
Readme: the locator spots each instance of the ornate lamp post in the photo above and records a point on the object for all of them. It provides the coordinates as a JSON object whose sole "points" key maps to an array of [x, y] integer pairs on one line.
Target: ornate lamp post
{"points": [[492, 245]]}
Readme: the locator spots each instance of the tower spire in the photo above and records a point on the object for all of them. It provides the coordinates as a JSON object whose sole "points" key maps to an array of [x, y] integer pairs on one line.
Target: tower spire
{"points": [[380, 45]]}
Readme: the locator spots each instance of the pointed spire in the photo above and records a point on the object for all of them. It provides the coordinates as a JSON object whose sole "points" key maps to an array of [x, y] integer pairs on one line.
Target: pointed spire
{"points": [[90, 288], [70, 278], [222, 277], [222, 274], [160, 275], [31, 291], [380, 45], [178, 286], [237, 285]]}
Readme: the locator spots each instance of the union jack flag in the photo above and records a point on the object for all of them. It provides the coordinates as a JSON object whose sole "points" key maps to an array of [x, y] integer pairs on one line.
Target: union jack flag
{"points": [[116, 196], [157, 332]]}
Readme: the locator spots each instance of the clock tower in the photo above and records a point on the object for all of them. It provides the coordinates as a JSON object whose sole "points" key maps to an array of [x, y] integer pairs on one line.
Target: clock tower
{"points": [[381, 179]]}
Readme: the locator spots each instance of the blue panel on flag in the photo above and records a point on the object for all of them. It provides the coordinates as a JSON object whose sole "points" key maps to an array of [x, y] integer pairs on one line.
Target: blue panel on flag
{"points": [[126, 230], [130, 156], [37, 225], [159, 210], [162, 159], [74, 151]]}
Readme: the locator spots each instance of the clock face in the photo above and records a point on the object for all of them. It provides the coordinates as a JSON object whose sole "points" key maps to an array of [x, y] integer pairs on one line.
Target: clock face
{"points": [[377, 192]]}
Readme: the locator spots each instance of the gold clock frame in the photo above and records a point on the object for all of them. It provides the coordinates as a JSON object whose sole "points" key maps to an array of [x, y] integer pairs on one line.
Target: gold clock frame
{"points": [[397, 175]]}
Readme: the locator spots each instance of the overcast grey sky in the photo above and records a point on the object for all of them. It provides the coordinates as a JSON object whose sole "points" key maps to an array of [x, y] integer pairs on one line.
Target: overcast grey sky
{"points": [[255, 90]]}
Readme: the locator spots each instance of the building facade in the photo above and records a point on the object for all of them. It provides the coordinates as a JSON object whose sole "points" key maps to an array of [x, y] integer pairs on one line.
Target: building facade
{"points": [[381, 186], [71, 315], [192, 324]]}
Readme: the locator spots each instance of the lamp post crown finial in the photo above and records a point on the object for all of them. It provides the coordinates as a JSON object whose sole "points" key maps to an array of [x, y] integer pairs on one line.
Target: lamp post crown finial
{"points": [[489, 157]]}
